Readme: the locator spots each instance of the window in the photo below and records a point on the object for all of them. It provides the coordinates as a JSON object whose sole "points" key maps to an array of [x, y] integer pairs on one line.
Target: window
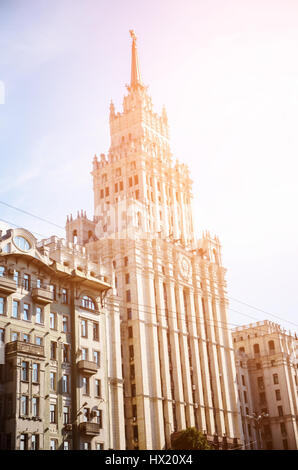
{"points": [[38, 283], [130, 181], [128, 297], [53, 290], [2, 306], [277, 395], [245, 396], [35, 372], [52, 413], [129, 316], [116, 187], [84, 354], [98, 417], [25, 371], [64, 296], [84, 328], [65, 445], [131, 352], [24, 442], [130, 332], [262, 396], [16, 277], [35, 442], [26, 312], [99, 446], [95, 332], [14, 336], [271, 346], [275, 379], [26, 281], [96, 357], [38, 315], [280, 411], [35, 407], [121, 185], [53, 350], [243, 379], [53, 321], [22, 243], [24, 405], [86, 414], [65, 351], [133, 390], [283, 429], [86, 446], [97, 388], [65, 383], [2, 334], [38, 340], [85, 382], [53, 444], [26, 338], [132, 371], [107, 191], [136, 179], [65, 324], [127, 278], [2, 271], [87, 302], [260, 381], [256, 348], [285, 444], [52, 381]]}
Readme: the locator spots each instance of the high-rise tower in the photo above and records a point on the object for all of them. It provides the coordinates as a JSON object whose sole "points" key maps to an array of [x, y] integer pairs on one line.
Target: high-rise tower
{"points": [[177, 353]]}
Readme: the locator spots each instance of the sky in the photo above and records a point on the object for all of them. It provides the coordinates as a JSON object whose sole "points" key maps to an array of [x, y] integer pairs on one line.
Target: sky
{"points": [[227, 73]]}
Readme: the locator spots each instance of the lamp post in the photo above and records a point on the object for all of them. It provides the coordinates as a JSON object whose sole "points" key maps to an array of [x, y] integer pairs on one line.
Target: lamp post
{"points": [[258, 419]]}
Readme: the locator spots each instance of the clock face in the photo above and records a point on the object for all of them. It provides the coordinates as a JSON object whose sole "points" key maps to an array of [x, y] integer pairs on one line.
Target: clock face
{"points": [[22, 243], [185, 267]]}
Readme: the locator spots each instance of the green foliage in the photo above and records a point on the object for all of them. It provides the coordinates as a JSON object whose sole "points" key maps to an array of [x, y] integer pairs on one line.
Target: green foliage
{"points": [[189, 439]]}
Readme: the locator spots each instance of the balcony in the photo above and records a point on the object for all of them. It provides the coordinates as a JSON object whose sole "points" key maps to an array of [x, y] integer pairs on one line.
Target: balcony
{"points": [[89, 429], [87, 367], [41, 295], [21, 347], [7, 285]]}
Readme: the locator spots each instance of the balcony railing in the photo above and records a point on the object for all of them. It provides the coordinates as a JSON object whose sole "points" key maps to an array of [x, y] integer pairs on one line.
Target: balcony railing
{"points": [[89, 429], [88, 367], [42, 295], [24, 348], [7, 285]]}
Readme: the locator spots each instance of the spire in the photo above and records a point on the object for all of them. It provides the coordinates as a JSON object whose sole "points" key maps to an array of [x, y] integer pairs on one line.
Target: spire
{"points": [[135, 67]]}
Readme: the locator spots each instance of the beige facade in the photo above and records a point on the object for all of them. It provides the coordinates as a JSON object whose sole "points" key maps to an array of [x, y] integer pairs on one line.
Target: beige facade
{"points": [[177, 353], [266, 361], [58, 389]]}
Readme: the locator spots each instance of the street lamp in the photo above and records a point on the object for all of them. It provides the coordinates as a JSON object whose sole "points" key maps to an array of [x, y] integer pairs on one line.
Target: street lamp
{"points": [[258, 419]]}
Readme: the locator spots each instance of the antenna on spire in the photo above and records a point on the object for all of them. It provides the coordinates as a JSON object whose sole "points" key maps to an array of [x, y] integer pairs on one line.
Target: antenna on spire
{"points": [[135, 66]]}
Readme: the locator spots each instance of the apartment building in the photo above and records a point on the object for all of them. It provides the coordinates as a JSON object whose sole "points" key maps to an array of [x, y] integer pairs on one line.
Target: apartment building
{"points": [[58, 388], [267, 377]]}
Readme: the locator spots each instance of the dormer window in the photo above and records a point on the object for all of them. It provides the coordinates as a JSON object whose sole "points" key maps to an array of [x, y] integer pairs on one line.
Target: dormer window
{"points": [[22, 243]]}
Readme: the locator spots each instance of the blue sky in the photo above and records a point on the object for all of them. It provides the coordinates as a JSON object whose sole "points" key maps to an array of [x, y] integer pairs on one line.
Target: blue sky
{"points": [[228, 76]]}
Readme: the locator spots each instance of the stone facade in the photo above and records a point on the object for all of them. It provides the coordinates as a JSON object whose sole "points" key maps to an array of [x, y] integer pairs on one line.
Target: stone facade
{"points": [[177, 352], [59, 388], [267, 361]]}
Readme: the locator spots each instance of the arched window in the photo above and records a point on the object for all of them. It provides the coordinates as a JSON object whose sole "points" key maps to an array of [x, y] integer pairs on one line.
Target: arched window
{"points": [[87, 302], [75, 237], [256, 348]]}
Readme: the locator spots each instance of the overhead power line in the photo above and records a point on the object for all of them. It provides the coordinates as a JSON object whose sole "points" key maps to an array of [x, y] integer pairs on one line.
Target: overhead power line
{"points": [[32, 215]]}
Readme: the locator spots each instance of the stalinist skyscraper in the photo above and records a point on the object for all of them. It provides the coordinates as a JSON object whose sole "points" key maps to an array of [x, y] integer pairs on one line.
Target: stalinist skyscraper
{"points": [[177, 354]]}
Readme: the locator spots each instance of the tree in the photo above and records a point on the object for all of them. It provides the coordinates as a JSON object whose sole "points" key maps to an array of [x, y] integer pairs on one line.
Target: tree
{"points": [[189, 439]]}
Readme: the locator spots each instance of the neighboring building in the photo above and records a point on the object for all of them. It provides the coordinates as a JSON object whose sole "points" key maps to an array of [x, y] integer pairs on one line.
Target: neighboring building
{"points": [[177, 352], [267, 361], [60, 387]]}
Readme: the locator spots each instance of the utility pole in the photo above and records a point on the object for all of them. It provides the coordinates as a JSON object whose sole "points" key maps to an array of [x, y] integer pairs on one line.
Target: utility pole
{"points": [[258, 420]]}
